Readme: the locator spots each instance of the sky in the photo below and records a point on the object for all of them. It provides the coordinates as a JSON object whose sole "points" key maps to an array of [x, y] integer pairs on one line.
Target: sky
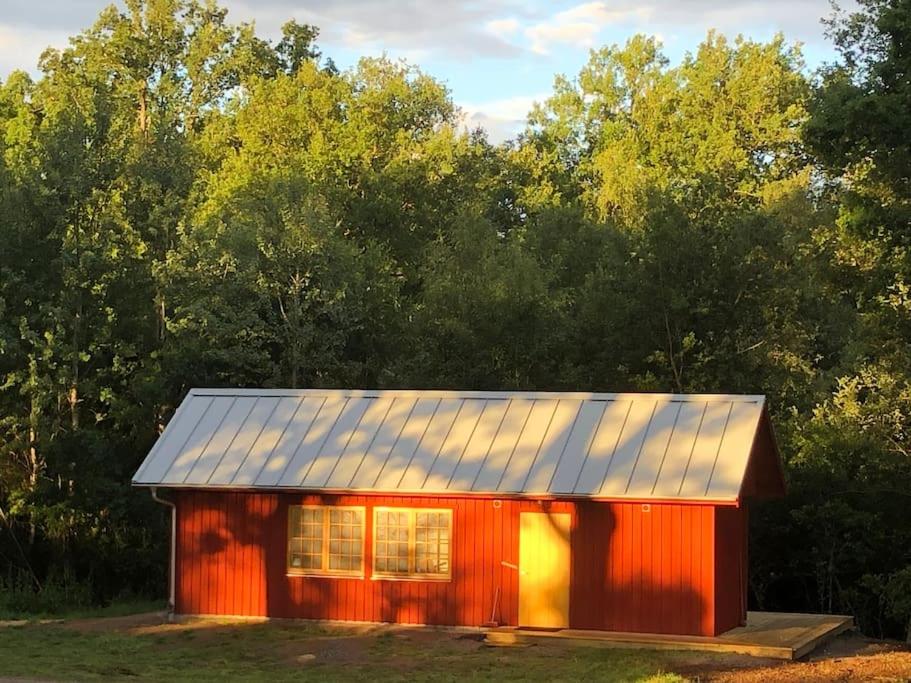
{"points": [[496, 56]]}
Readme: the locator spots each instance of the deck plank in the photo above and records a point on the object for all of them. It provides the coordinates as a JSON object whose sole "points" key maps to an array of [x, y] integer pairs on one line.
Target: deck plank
{"points": [[766, 634]]}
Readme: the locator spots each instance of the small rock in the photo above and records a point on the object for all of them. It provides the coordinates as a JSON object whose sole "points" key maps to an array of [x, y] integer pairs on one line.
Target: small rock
{"points": [[306, 659]]}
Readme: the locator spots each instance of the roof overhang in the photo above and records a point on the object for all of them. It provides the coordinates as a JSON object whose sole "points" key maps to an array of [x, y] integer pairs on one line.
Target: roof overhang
{"points": [[764, 477]]}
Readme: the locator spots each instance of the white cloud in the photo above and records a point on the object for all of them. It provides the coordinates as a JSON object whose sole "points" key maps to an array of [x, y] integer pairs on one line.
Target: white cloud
{"points": [[502, 28], [456, 29], [448, 28], [65, 16], [544, 36], [597, 13], [582, 24], [502, 118], [21, 47]]}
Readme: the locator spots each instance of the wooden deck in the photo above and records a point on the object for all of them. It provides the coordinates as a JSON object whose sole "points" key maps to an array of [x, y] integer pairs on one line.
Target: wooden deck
{"points": [[775, 635]]}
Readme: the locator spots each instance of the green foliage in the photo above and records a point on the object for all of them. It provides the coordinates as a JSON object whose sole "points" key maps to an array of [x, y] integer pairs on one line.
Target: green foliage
{"points": [[484, 317], [184, 203], [714, 132]]}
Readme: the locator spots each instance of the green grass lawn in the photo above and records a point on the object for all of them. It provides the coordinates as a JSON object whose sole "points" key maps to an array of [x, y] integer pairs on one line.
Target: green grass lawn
{"points": [[205, 651]]}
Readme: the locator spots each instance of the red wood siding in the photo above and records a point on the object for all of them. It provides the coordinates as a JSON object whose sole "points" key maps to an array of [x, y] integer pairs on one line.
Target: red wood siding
{"points": [[731, 532], [764, 477], [643, 568], [635, 567]]}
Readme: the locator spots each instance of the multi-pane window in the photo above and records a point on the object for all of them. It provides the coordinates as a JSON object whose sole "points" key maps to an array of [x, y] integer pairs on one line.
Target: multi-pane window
{"points": [[412, 543], [431, 542], [390, 542], [326, 540]]}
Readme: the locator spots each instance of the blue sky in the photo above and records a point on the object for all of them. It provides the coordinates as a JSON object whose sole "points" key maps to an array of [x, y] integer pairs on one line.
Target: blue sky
{"points": [[497, 56]]}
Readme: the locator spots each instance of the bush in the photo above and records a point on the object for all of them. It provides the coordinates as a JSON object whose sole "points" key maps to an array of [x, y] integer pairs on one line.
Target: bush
{"points": [[19, 596]]}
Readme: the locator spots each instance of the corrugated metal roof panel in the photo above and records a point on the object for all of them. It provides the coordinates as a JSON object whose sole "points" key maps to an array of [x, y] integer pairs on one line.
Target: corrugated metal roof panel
{"points": [[266, 442], [221, 440], [577, 446], [707, 447], [529, 443], [679, 448], [503, 446], [248, 431], [592, 445], [623, 463], [731, 464], [651, 456], [603, 446]]}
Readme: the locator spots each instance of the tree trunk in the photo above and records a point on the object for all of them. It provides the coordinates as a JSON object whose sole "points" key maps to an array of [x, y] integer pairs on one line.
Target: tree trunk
{"points": [[143, 117], [73, 399], [33, 459], [73, 393], [675, 370], [160, 322]]}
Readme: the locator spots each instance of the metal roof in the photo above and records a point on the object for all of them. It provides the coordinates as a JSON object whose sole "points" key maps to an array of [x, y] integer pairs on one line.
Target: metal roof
{"points": [[640, 446]]}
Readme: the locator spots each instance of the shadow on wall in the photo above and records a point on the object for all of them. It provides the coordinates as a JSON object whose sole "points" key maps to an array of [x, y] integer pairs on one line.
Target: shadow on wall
{"points": [[642, 568], [631, 569], [224, 546], [465, 599]]}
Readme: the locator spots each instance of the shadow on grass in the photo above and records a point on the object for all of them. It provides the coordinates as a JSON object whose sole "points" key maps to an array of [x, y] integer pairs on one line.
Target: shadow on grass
{"points": [[210, 650]]}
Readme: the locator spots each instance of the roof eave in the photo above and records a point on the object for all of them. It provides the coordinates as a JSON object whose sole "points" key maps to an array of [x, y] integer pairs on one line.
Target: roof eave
{"points": [[504, 495]]}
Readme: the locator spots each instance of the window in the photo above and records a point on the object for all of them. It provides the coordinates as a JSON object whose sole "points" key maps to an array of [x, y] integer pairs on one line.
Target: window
{"points": [[326, 540], [412, 544]]}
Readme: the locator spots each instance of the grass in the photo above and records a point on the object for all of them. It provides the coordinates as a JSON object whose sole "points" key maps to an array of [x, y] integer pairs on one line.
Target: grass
{"points": [[210, 652]]}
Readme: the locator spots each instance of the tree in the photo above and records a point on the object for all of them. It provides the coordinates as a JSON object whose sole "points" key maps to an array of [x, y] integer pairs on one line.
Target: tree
{"points": [[858, 133], [98, 159], [184, 203], [718, 130]]}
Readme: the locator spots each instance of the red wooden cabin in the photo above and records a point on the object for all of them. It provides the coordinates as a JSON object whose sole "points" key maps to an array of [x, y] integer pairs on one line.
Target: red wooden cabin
{"points": [[621, 512]]}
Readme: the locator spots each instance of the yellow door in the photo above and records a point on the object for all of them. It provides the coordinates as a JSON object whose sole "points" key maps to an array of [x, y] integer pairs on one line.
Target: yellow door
{"points": [[544, 569]]}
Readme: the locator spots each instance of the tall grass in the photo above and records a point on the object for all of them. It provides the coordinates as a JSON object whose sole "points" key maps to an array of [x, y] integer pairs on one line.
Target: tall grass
{"points": [[62, 596]]}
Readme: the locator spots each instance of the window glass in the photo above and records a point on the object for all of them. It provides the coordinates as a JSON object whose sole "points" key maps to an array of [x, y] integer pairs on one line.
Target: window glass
{"points": [[346, 541], [327, 540], [431, 543], [412, 542], [391, 545]]}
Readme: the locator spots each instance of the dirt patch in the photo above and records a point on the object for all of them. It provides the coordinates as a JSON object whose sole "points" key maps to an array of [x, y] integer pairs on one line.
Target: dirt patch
{"points": [[292, 641], [888, 666], [126, 623], [854, 645], [850, 657], [702, 666], [326, 650], [14, 623], [360, 646]]}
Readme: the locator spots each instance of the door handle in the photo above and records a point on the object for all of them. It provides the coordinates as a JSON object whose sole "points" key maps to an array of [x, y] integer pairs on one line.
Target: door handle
{"points": [[513, 566]]}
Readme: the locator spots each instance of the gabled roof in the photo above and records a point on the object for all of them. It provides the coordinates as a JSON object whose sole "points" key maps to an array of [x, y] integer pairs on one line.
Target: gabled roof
{"points": [[640, 446]]}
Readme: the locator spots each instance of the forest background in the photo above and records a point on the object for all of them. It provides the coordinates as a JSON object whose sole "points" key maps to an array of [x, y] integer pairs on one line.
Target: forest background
{"points": [[183, 203]]}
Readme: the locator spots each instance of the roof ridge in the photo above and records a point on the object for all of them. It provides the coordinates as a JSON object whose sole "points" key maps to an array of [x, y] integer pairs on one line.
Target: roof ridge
{"points": [[472, 393]]}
